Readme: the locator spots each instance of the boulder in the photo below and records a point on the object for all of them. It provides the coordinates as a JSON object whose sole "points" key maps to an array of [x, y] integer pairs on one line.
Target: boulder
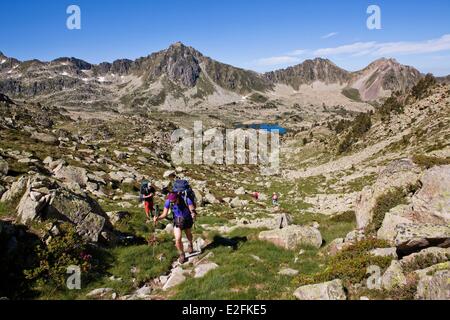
{"points": [[240, 191], [393, 276], [332, 290], [293, 236], [117, 216], [71, 174], [169, 174], [415, 237], [434, 197], [432, 255], [398, 174], [82, 211], [176, 278], [199, 197], [202, 269], [16, 191], [142, 293], [30, 207], [434, 287], [391, 220], [210, 198], [238, 203]]}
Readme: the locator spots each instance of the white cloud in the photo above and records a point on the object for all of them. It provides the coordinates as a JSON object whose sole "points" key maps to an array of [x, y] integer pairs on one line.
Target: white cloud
{"points": [[297, 52], [330, 35], [357, 47], [274, 61], [389, 48]]}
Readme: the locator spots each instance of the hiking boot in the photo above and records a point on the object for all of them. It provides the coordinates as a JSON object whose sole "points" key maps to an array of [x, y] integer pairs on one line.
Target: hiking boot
{"points": [[182, 258]]}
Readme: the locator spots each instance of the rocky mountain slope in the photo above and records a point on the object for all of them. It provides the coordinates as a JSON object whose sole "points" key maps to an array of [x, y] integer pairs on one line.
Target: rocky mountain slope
{"points": [[181, 78], [363, 210]]}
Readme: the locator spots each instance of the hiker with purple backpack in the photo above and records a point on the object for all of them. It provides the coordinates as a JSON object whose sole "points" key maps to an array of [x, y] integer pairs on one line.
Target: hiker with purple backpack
{"points": [[181, 201]]}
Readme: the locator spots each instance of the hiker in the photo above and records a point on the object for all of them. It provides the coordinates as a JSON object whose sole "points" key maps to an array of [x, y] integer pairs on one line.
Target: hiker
{"points": [[275, 199], [147, 195], [181, 201], [256, 195]]}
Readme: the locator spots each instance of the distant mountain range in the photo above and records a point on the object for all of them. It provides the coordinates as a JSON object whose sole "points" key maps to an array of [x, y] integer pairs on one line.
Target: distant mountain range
{"points": [[181, 75]]}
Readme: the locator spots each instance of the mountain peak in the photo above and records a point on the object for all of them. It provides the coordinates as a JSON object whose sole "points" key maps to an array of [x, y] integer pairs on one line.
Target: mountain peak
{"points": [[177, 44]]}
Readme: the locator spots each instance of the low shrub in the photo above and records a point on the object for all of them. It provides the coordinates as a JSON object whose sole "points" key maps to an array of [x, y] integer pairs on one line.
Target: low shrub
{"points": [[390, 106], [62, 251], [429, 162], [350, 265], [422, 88], [383, 204]]}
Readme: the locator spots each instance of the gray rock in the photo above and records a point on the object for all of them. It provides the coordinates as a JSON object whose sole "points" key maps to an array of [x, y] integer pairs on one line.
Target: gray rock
{"points": [[238, 203], [435, 287], [117, 216], [293, 236], [143, 292], [393, 277], [99, 293], [240, 191], [431, 255], [288, 272], [433, 197], [400, 173], [414, 237], [210, 198], [390, 222], [384, 252], [332, 290], [284, 220], [16, 191], [354, 236], [202, 269], [71, 174], [176, 278], [169, 174]]}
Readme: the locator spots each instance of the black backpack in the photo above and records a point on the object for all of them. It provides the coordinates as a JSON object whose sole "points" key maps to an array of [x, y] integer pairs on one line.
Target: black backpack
{"points": [[183, 188], [145, 185]]}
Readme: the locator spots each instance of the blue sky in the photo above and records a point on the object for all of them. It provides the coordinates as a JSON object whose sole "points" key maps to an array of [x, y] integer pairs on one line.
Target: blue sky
{"points": [[260, 35]]}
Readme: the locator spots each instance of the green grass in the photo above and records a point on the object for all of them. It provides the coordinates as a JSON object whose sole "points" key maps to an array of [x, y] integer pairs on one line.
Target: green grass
{"points": [[240, 276], [358, 184], [383, 204], [329, 227], [6, 210]]}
